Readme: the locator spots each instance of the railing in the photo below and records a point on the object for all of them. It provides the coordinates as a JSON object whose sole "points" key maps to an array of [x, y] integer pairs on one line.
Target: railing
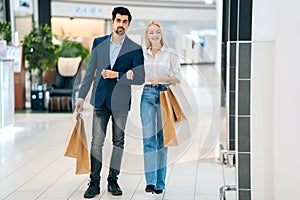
{"points": [[227, 158], [225, 188]]}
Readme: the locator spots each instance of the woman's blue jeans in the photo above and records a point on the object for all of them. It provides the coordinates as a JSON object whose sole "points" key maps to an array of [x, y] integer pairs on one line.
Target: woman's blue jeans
{"points": [[155, 154]]}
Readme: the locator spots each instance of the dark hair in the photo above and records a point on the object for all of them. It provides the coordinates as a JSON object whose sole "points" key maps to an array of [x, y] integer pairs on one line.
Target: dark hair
{"points": [[121, 11]]}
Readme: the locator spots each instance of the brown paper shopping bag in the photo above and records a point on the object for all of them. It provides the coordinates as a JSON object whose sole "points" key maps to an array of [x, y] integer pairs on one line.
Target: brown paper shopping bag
{"points": [[76, 145], [167, 115], [186, 99], [178, 113], [181, 92]]}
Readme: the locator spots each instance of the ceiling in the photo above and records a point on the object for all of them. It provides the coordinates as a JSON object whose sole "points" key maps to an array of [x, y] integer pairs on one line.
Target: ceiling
{"points": [[201, 4]]}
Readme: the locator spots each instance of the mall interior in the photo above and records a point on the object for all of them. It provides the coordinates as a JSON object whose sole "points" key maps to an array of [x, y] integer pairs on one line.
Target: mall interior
{"points": [[239, 66]]}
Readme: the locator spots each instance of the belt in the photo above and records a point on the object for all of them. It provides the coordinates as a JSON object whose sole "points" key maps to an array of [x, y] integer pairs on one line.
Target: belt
{"points": [[156, 86]]}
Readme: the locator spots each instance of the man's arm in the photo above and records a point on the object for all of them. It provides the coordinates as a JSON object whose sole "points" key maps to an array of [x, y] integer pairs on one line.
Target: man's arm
{"points": [[135, 76], [87, 80]]}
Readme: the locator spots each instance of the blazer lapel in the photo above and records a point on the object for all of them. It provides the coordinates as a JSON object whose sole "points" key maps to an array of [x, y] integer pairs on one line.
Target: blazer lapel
{"points": [[106, 51]]}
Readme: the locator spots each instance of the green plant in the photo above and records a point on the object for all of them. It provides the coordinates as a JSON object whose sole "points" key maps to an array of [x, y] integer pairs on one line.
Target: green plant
{"points": [[70, 48], [39, 50], [5, 31]]}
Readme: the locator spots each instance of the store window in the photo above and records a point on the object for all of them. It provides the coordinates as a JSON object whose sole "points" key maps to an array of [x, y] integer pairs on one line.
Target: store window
{"points": [[83, 30]]}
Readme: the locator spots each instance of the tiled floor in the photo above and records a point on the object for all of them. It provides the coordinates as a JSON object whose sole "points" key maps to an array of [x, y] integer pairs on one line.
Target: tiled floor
{"points": [[33, 165]]}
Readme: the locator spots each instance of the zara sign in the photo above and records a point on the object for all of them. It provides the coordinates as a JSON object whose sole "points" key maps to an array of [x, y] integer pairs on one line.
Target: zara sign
{"points": [[85, 10]]}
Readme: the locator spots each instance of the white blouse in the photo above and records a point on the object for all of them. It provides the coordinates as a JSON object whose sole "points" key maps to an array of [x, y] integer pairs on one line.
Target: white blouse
{"points": [[165, 63]]}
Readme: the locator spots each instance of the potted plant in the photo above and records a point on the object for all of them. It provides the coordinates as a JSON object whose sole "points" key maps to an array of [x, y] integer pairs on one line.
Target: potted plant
{"points": [[39, 51], [64, 88], [67, 48], [71, 48], [5, 37], [41, 54]]}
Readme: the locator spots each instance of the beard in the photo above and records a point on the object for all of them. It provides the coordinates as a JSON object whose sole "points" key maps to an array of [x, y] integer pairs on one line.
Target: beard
{"points": [[120, 31]]}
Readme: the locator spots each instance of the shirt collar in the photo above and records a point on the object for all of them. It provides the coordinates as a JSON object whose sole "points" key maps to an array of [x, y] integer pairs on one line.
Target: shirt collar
{"points": [[163, 48], [120, 44]]}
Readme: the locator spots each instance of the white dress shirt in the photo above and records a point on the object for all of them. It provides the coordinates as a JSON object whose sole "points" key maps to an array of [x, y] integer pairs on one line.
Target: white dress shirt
{"points": [[165, 63], [114, 51]]}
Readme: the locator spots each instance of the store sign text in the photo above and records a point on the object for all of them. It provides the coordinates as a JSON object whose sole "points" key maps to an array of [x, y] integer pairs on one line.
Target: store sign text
{"points": [[86, 10]]}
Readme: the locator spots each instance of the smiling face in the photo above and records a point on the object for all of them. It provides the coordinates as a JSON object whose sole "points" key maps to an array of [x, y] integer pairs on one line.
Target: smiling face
{"points": [[120, 24], [154, 35]]}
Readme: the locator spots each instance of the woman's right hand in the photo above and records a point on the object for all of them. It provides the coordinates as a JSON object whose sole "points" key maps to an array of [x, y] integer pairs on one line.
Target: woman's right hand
{"points": [[154, 80]]}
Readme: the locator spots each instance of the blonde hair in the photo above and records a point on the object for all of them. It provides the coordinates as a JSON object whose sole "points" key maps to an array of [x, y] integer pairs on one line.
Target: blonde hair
{"points": [[148, 43]]}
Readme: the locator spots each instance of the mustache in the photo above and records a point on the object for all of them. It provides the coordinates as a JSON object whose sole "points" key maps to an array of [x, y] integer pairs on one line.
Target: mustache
{"points": [[120, 30]]}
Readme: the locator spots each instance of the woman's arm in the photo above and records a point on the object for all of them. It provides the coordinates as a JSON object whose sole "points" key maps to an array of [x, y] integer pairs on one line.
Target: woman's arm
{"points": [[165, 79]]}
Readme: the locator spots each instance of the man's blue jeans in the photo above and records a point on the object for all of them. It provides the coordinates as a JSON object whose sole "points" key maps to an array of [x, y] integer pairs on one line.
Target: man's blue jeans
{"points": [[155, 154], [100, 120]]}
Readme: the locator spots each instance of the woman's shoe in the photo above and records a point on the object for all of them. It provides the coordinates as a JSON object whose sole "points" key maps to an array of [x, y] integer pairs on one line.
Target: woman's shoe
{"points": [[150, 188], [158, 191]]}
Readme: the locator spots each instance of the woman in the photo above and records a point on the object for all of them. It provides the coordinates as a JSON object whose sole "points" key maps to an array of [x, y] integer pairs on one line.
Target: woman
{"points": [[162, 67]]}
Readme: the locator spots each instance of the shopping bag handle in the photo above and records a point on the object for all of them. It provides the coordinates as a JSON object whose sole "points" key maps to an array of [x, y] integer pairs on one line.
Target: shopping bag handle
{"points": [[77, 114]]}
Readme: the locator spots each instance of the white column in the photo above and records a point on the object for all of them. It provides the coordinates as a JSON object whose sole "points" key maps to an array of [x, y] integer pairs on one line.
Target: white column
{"points": [[275, 100], [286, 104], [36, 11], [262, 124], [219, 17], [262, 99]]}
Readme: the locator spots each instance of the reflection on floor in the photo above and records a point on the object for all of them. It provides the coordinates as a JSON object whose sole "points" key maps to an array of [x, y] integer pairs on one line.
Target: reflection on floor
{"points": [[33, 165]]}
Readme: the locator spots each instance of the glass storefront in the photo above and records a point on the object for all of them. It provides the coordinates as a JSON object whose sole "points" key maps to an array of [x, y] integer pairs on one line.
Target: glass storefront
{"points": [[83, 30], [189, 30]]}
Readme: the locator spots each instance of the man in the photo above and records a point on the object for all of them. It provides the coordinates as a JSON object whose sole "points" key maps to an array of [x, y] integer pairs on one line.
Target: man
{"points": [[116, 63]]}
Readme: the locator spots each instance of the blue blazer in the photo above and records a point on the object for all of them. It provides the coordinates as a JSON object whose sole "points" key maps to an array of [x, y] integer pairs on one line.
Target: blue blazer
{"points": [[114, 93]]}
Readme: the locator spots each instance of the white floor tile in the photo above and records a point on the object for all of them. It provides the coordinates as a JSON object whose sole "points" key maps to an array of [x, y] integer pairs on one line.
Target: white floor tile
{"points": [[32, 165]]}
